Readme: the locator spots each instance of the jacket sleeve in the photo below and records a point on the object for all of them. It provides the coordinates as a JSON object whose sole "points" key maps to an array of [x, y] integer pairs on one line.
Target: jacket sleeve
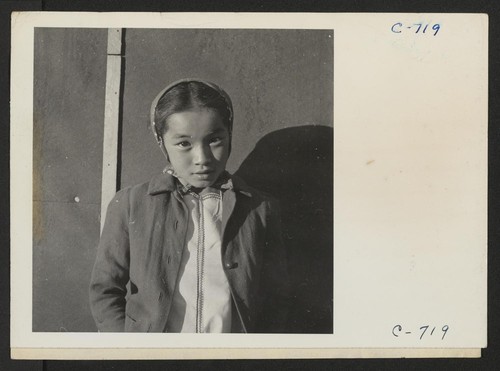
{"points": [[111, 269], [275, 276]]}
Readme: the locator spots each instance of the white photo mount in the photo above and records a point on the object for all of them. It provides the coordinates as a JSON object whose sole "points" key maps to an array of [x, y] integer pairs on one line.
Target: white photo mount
{"points": [[410, 191]]}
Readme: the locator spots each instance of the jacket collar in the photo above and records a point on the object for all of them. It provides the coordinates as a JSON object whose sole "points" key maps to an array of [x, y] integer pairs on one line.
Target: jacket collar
{"points": [[164, 183]]}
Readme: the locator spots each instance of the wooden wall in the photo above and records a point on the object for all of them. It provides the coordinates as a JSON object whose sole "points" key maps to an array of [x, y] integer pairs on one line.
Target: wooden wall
{"points": [[70, 72]]}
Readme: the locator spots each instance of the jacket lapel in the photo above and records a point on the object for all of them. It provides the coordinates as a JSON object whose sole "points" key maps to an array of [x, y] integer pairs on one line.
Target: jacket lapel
{"points": [[175, 237], [229, 203], [230, 199], [171, 222]]}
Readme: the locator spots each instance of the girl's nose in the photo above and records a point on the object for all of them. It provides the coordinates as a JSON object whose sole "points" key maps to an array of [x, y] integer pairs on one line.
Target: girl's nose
{"points": [[202, 155]]}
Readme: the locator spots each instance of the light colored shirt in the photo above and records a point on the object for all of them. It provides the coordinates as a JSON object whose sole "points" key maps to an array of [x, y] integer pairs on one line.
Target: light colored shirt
{"points": [[202, 297]]}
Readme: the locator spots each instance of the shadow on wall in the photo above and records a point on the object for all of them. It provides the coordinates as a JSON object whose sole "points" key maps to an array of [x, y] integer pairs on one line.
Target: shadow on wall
{"points": [[295, 165]]}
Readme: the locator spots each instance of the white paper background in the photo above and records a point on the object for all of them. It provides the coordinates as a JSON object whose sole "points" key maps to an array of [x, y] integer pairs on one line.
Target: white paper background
{"points": [[410, 180]]}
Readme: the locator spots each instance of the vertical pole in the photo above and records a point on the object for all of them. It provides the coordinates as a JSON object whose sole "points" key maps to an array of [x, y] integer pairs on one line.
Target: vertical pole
{"points": [[111, 120]]}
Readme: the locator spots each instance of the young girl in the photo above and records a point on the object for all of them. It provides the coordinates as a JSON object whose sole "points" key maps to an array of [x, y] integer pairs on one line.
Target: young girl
{"points": [[195, 249]]}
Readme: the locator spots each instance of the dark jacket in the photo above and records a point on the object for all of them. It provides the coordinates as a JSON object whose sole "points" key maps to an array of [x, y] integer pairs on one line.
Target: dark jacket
{"points": [[140, 251]]}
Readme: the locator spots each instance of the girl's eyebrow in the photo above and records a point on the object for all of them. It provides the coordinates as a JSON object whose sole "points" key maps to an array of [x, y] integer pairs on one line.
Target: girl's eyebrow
{"points": [[217, 131], [181, 136]]}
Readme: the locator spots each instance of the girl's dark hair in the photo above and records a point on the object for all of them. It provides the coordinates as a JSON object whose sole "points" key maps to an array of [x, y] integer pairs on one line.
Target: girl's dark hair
{"points": [[190, 95]]}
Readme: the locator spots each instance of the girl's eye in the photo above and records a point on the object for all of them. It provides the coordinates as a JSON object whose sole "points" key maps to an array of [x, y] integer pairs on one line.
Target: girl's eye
{"points": [[184, 144], [216, 140]]}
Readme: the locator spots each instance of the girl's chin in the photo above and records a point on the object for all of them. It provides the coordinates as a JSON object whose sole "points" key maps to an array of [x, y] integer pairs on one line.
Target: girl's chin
{"points": [[199, 180], [202, 184], [202, 181]]}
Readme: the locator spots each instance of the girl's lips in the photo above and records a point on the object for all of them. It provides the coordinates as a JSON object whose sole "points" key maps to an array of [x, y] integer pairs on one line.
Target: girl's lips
{"points": [[204, 175]]}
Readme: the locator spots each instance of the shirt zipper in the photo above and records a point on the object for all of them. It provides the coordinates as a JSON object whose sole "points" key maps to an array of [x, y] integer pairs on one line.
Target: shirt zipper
{"points": [[200, 260]]}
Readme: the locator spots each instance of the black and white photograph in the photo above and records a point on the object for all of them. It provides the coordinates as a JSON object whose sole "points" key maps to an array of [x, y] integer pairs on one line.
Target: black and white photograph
{"points": [[243, 185], [220, 145]]}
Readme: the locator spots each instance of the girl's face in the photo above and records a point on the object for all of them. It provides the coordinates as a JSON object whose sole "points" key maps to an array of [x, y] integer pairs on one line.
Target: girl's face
{"points": [[197, 143]]}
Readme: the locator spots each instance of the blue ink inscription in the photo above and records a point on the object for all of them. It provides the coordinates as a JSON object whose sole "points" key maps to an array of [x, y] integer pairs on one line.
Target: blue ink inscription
{"points": [[420, 28]]}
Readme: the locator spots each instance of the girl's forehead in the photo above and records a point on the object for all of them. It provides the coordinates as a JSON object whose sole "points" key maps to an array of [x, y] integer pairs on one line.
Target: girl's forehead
{"points": [[195, 122]]}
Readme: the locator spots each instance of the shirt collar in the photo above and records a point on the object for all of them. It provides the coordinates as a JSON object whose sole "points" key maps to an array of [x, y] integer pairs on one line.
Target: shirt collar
{"points": [[164, 182], [223, 183]]}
